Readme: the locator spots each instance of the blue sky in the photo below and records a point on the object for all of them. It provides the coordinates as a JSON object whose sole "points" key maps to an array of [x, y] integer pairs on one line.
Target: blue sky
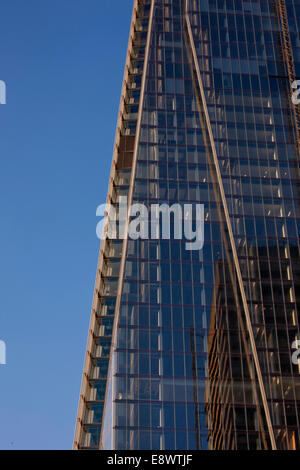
{"points": [[63, 62]]}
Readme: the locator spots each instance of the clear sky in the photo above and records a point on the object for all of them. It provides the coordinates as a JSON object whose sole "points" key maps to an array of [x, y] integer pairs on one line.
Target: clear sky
{"points": [[63, 63]]}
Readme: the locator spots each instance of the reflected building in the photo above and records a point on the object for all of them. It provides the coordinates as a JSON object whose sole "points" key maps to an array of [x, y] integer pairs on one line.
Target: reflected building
{"points": [[193, 349]]}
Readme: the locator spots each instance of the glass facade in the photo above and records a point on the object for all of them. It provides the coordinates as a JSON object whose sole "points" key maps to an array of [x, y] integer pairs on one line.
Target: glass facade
{"points": [[193, 349]]}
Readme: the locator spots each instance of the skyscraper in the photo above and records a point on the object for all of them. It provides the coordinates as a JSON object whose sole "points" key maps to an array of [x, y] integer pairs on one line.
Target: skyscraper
{"points": [[194, 349]]}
